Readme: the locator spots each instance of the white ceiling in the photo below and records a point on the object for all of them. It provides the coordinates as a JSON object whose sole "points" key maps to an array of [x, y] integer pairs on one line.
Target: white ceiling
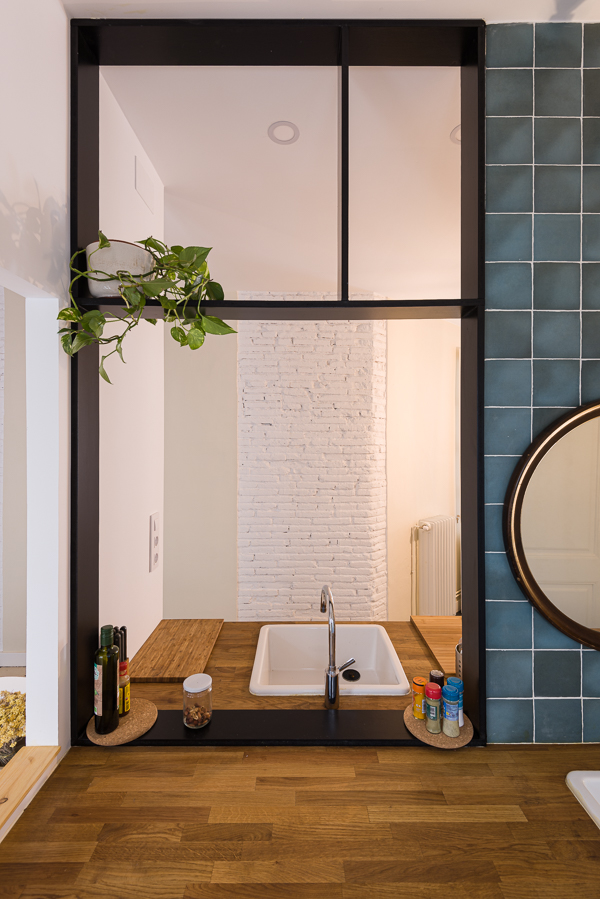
{"points": [[490, 10]]}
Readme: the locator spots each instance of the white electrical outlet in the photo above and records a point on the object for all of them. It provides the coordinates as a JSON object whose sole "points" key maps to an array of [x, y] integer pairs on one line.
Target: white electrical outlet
{"points": [[155, 548]]}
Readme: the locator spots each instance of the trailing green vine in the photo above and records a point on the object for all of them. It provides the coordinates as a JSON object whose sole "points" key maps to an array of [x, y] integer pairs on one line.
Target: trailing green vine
{"points": [[179, 280]]}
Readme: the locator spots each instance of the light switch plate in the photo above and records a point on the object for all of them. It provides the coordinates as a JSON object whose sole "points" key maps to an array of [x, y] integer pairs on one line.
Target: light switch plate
{"points": [[155, 547]]}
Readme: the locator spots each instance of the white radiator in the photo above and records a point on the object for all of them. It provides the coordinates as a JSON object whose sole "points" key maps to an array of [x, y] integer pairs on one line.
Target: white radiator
{"points": [[434, 567]]}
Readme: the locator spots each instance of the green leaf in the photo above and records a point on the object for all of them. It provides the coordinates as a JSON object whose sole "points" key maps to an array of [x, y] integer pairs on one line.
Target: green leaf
{"points": [[195, 338], [120, 350], [156, 287], [177, 250], [178, 334], [214, 325], [214, 291], [133, 295], [153, 244], [194, 256], [168, 304], [103, 372], [69, 315], [81, 339], [104, 241], [66, 343], [151, 320], [94, 321]]}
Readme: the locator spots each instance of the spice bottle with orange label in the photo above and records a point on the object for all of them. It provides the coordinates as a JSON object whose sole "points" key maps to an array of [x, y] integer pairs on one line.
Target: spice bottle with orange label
{"points": [[418, 697]]}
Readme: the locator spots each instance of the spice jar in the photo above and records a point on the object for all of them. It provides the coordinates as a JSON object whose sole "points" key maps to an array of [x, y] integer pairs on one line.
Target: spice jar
{"points": [[436, 677], [450, 719], [457, 682], [433, 696], [197, 700], [418, 697]]}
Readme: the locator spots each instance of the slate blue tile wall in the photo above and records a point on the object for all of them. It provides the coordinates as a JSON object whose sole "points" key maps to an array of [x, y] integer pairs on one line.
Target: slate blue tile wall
{"points": [[542, 344]]}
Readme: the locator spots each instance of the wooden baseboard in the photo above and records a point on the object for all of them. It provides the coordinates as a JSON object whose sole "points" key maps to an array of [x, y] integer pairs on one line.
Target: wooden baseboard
{"points": [[20, 775]]}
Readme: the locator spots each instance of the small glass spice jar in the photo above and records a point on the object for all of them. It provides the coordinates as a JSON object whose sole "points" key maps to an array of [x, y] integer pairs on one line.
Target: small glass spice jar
{"points": [[197, 700], [433, 697], [450, 698], [418, 697], [457, 682]]}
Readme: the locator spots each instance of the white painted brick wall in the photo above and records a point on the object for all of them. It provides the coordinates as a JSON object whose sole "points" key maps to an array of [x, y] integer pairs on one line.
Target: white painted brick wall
{"points": [[312, 469]]}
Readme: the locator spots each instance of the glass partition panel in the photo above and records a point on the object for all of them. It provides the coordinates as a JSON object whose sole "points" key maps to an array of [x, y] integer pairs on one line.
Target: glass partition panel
{"points": [[248, 157], [404, 208]]}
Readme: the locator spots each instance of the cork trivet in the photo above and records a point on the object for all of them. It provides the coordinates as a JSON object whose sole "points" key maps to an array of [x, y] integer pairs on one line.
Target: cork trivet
{"points": [[140, 719], [417, 728]]}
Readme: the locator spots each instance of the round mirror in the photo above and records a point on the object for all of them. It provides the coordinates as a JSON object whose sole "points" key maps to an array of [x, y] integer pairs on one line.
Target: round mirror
{"points": [[552, 524]]}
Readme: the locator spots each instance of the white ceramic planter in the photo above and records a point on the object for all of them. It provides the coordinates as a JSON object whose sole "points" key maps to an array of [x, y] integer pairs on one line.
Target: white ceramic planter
{"points": [[119, 256]]}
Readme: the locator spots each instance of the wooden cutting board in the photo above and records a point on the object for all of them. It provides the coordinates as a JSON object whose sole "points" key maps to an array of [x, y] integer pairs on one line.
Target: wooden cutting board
{"points": [[441, 633], [175, 649]]}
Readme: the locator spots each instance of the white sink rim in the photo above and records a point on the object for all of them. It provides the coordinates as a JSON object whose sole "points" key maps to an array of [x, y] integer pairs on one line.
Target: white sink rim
{"points": [[260, 684], [585, 786]]}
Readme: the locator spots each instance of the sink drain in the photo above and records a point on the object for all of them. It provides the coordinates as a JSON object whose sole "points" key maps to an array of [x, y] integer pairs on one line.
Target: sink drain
{"points": [[351, 674]]}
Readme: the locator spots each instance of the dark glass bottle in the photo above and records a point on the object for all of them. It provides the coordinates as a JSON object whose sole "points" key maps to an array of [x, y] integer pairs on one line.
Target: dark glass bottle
{"points": [[106, 683]]}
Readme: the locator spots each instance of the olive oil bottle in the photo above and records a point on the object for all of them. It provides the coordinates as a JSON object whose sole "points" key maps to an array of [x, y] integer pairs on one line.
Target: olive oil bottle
{"points": [[106, 683]]}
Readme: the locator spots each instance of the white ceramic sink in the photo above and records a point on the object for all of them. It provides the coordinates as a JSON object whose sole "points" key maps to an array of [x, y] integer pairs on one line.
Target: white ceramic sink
{"points": [[585, 786], [291, 660]]}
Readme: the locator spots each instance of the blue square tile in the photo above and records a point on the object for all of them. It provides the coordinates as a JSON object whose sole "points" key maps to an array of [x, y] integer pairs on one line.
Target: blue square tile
{"points": [[498, 471], [509, 93], [557, 92], [556, 285], [494, 541], [556, 382], [546, 636], [508, 285], [590, 382], [507, 432], [591, 92], [509, 45], [508, 673], [555, 335], [509, 188], [508, 626], [556, 238], [499, 580], [558, 721], [543, 418], [557, 188], [557, 672], [591, 674], [557, 141], [590, 335], [590, 286], [508, 238], [591, 188], [558, 45], [509, 720], [591, 141], [591, 238], [591, 720], [591, 58], [507, 383], [507, 335], [509, 141]]}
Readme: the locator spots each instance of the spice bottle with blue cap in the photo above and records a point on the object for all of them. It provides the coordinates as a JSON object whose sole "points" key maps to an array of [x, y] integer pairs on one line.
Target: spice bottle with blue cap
{"points": [[457, 682], [197, 700], [450, 712]]}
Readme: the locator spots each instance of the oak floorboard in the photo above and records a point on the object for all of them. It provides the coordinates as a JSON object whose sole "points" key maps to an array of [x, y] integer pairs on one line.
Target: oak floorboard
{"points": [[446, 814], [228, 832], [410, 797], [347, 814], [339, 848], [179, 853], [263, 891], [52, 833], [417, 891], [146, 832], [419, 870], [164, 874], [39, 853], [280, 871]]}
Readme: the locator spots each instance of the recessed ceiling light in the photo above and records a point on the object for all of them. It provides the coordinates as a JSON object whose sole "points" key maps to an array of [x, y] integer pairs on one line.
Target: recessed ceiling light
{"points": [[283, 132]]}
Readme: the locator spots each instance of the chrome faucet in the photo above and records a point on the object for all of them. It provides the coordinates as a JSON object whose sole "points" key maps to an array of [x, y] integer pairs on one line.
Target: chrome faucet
{"points": [[332, 673]]}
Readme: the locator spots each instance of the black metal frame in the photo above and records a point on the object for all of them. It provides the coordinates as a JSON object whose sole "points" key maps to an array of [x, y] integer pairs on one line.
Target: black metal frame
{"points": [[339, 43]]}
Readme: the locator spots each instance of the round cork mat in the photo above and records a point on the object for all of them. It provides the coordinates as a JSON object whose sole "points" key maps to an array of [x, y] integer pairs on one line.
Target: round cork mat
{"points": [[140, 719], [417, 728]]}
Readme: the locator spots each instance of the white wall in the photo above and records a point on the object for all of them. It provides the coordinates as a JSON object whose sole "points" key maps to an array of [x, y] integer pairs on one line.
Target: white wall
{"points": [[132, 408], [14, 480], [312, 492], [421, 439], [200, 524], [34, 69]]}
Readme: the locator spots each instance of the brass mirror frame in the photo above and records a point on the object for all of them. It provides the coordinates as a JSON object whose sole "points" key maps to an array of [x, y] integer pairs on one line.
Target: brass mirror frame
{"points": [[511, 523]]}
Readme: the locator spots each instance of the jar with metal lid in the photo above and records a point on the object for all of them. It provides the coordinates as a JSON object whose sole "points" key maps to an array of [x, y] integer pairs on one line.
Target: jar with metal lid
{"points": [[197, 700], [450, 712]]}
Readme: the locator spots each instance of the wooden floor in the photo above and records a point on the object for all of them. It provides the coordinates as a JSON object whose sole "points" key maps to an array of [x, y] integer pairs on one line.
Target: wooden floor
{"points": [[230, 666], [306, 823]]}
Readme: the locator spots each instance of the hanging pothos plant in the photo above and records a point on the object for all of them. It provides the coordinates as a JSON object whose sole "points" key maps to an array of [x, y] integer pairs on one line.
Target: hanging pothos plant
{"points": [[179, 280]]}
